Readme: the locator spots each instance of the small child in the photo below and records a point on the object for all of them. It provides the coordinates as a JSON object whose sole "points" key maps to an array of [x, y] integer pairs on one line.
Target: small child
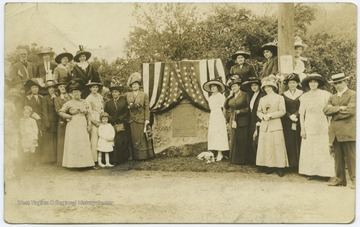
{"points": [[106, 139], [29, 137]]}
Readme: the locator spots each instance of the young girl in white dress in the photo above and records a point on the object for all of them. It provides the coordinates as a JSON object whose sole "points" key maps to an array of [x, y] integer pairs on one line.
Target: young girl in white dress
{"points": [[106, 139], [217, 132]]}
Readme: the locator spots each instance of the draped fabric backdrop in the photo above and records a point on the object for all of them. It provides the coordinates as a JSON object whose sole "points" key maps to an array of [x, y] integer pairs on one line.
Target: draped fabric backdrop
{"points": [[168, 83]]}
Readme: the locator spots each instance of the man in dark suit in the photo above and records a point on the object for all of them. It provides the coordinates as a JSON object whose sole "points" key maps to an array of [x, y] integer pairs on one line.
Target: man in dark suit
{"points": [[342, 132], [46, 68], [23, 70]]}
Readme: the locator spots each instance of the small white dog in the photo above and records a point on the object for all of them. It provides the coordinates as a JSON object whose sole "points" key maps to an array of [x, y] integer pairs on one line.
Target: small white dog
{"points": [[208, 156]]}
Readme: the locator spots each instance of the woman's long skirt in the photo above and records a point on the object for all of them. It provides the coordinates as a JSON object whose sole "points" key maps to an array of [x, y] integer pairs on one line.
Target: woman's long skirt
{"points": [[60, 142], [271, 149], [49, 147], [94, 137], [217, 132], [315, 158], [77, 149], [142, 148], [121, 151], [292, 142], [239, 145]]}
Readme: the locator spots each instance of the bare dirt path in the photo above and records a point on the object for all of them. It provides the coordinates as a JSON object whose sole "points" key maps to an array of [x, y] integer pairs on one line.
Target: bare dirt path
{"points": [[172, 197]]}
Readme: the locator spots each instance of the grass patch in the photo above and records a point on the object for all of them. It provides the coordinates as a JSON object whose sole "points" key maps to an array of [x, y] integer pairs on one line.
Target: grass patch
{"points": [[178, 164]]}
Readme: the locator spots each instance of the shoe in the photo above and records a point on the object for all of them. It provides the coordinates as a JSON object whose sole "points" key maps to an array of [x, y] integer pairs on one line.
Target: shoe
{"points": [[101, 164], [108, 165], [269, 170], [96, 167], [353, 184], [219, 158], [279, 173], [337, 184]]}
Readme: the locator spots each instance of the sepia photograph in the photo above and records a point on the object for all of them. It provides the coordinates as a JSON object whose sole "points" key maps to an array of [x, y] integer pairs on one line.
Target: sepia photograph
{"points": [[179, 112]]}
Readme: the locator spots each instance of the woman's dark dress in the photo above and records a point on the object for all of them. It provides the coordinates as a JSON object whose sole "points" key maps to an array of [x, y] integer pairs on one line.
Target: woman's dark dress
{"points": [[119, 114], [252, 127], [239, 135], [292, 137]]}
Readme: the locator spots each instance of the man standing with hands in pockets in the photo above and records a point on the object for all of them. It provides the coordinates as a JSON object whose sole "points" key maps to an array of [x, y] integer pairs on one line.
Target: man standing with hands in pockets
{"points": [[342, 132]]}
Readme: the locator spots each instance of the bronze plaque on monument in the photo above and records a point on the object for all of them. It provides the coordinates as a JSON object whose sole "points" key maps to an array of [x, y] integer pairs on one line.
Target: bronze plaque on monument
{"points": [[184, 121]]}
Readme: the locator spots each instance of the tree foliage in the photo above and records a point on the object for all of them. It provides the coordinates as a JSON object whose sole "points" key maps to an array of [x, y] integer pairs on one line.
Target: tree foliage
{"points": [[176, 31], [329, 54], [166, 32]]}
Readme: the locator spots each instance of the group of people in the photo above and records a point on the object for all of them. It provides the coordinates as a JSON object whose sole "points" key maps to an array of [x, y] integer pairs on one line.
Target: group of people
{"points": [[66, 119], [279, 122]]}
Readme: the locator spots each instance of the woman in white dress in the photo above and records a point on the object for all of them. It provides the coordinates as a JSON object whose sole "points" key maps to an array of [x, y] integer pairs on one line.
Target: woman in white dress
{"points": [[315, 158], [96, 103], [217, 132]]}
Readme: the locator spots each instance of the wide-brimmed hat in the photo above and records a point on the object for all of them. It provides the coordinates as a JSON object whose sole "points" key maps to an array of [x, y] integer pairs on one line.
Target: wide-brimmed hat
{"points": [[50, 83], [75, 84], [94, 81], [236, 81], [299, 43], [80, 52], [216, 81], [338, 77], [272, 46], [116, 84], [46, 50], [62, 55], [294, 77], [246, 86], [314, 76], [34, 82], [134, 77], [268, 81], [244, 53]]}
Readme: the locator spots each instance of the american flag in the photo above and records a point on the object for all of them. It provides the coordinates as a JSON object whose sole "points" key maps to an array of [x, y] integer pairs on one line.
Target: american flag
{"points": [[168, 83]]}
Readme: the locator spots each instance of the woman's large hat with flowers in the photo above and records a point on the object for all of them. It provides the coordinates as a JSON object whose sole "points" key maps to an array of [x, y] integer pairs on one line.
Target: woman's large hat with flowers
{"points": [[269, 81], [116, 84], [80, 52], [134, 77], [271, 46]]}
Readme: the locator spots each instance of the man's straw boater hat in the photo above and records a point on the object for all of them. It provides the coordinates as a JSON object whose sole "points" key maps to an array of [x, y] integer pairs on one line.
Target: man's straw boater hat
{"points": [[338, 77]]}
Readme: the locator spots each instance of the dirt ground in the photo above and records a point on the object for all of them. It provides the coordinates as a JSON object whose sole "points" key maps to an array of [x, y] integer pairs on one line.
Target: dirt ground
{"points": [[51, 194]]}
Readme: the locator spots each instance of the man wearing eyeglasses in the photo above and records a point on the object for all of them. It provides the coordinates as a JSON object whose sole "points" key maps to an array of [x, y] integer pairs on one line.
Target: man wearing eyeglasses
{"points": [[342, 131]]}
